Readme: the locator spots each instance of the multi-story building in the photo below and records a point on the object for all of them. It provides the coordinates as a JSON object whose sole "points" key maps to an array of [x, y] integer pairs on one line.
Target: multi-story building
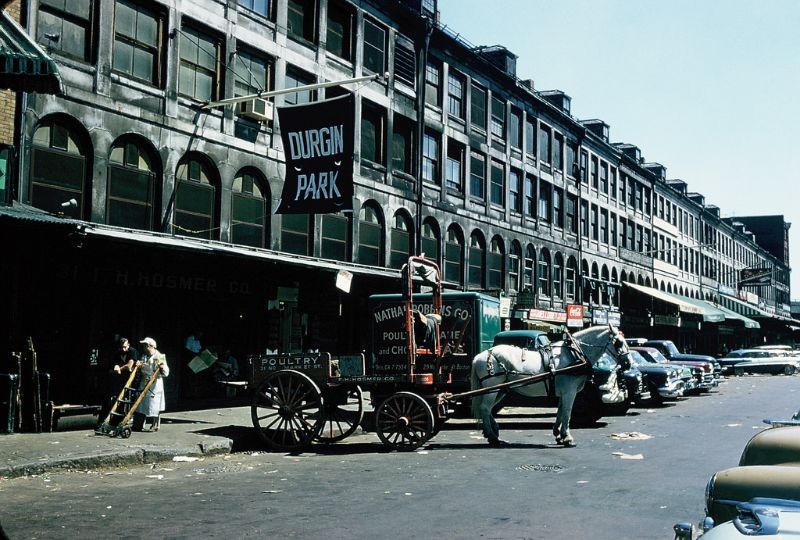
{"points": [[139, 209]]}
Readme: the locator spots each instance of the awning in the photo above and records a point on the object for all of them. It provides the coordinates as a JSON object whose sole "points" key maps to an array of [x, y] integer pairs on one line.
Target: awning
{"points": [[684, 304], [750, 310], [732, 315], [24, 66]]}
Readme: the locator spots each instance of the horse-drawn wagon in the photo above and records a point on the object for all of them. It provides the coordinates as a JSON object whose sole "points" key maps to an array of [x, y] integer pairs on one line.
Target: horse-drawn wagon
{"points": [[414, 377]]}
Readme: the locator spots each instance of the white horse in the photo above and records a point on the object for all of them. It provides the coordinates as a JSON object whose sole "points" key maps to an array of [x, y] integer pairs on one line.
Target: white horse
{"points": [[505, 363]]}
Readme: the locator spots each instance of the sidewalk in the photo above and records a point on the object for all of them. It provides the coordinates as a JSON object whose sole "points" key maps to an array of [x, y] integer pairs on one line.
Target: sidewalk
{"points": [[75, 446]]}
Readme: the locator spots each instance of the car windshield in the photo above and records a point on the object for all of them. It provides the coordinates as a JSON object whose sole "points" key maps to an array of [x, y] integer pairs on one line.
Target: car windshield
{"points": [[655, 356], [671, 348], [637, 359]]}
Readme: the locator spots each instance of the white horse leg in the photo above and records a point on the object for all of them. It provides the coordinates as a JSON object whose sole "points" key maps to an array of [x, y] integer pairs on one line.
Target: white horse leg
{"points": [[567, 388], [482, 407]]}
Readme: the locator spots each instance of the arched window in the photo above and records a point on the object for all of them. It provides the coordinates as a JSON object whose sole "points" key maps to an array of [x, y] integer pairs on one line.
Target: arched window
{"points": [[454, 256], [571, 292], [529, 270], [558, 276], [495, 263], [335, 236], [477, 261], [60, 170], [131, 185], [514, 266], [430, 240], [370, 236], [196, 208], [249, 209], [400, 247], [544, 279]]}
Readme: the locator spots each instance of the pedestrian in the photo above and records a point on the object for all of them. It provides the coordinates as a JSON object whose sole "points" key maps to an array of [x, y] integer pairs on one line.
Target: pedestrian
{"points": [[193, 343], [153, 402], [125, 358], [119, 365]]}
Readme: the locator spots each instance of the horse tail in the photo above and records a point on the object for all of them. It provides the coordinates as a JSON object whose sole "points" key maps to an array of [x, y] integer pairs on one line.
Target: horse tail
{"points": [[474, 384]]}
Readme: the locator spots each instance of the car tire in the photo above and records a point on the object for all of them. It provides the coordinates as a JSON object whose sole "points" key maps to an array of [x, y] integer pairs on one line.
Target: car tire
{"points": [[788, 370], [738, 371]]}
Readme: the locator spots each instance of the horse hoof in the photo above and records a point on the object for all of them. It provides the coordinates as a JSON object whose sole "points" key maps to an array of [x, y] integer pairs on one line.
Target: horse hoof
{"points": [[497, 443]]}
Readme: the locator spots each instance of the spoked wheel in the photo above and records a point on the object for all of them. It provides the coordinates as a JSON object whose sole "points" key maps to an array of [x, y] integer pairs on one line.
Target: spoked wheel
{"points": [[286, 410], [342, 413], [404, 421]]}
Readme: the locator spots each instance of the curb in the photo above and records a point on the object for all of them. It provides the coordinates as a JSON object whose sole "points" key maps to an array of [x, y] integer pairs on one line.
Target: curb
{"points": [[117, 458]]}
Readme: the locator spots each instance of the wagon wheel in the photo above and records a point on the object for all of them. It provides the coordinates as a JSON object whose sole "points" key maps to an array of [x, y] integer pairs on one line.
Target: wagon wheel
{"points": [[341, 413], [286, 410], [404, 421]]}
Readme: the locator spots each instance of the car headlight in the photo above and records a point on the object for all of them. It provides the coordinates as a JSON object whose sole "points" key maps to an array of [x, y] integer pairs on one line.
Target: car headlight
{"points": [[710, 493]]}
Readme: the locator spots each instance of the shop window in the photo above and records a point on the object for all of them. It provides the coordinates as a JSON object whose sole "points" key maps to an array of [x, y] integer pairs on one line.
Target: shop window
{"points": [[199, 65], [495, 264], [430, 240], [339, 39], [433, 76], [301, 20], [454, 167], [370, 237], [249, 212], [477, 176], [296, 233], [400, 244], [476, 262], [478, 106], [196, 211], [405, 60], [138, 39], [262, 7], [430, 157], [68, 27], [295, 78], [454, 256], [374, 47], [131, 185], [334, 239], [403, 145], [59, 170], [373, 126]]}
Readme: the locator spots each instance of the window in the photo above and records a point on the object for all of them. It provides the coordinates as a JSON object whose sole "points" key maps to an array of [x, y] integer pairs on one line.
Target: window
{"points": [[131, 181], [478, 107], [545, 201], [622, 188], [604, 226], [529, 271], [544, 144], [498, 118], [584, 165], [199, 65], [593, 173], [339, 38], [248, 210], [370, 237], [432, 84], [613, 229], [453, 256], [373, 120], [453, 175], [543, 273], [430, 157], [405, 60], [301, 19], [530, 196], [558, 152], [251, 74], [477, 176], [572, 213], [515, 128], [569, 282], [572, 152], [514, 261], [400, 245], [295, 78], [138, 32], [195, 211], [530, 136], [603, 177], [558, 276], [495, 264], [59, 170], [477, 262], [430, 240], [403, 145], [455, 95], [296, 231], [67, 27], [584, 219], [374, 47], [594, 222], [262, 7], [514, 187], [498, 185], [612, 188], [631, 193], [334, 235], [558, 207]]}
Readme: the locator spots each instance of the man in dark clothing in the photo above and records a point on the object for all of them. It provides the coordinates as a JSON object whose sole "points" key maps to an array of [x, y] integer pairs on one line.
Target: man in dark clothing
{"points": [[121, 364]]}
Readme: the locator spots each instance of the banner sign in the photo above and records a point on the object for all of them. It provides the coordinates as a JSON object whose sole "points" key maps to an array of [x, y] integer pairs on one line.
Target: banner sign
{"points": [[755, 277], [318, 147]]}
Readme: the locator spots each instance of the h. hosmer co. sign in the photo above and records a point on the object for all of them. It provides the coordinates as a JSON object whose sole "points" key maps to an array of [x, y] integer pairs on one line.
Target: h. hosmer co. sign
{"points": [[318, 146]]}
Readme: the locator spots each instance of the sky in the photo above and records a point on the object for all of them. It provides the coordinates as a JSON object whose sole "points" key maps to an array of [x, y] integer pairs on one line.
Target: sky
{"points": [[708, 89]]}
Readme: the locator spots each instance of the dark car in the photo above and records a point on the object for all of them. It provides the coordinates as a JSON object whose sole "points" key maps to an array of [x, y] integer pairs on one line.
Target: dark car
{"points": [[692, 375], [589, 406], [671, 353], [664, 381]]}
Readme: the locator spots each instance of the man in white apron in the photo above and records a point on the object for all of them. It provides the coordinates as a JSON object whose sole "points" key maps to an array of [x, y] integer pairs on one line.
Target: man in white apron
{"points": [[153, 401]]}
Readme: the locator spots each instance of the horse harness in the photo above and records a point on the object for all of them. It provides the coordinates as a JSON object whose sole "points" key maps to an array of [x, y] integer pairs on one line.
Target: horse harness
{"points": [[546, 352]]}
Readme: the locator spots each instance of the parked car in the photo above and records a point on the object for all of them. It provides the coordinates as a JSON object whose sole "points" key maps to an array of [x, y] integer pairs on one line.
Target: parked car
{"points": [[664, 381], [769, 469], [773, 361], [693, 375], [767, 517], [671, 353], [591, 402]]}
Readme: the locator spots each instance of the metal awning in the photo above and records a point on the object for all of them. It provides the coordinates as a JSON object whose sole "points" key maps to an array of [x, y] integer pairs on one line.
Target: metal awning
{"points": [[750, 310], [683, 303], [732, 315], [24, 66]]}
